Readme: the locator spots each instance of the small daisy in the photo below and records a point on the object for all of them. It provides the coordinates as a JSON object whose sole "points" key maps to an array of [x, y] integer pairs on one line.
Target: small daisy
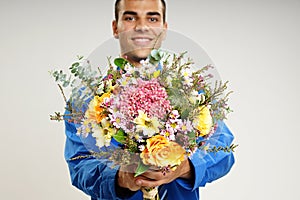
{"points": [[149, 126]]}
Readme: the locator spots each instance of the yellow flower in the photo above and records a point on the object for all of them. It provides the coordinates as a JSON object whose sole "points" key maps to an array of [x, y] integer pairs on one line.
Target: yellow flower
{"points": [[96, 111], [161, 152], [204, 122], [87, 127], [156, 73], [103, 133], [109, 85], [149, 126]]}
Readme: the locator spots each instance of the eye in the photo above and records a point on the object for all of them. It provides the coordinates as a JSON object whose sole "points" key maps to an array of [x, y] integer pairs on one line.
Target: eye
{"points": [[153, 19], [129, 18]]}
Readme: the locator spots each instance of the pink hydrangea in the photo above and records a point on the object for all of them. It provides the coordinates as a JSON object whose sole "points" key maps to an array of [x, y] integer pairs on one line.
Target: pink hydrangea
{"points": [[146, 95]]}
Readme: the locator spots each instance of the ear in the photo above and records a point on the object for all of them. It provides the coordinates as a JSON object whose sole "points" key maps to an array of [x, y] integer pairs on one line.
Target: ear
{"points": [[115, 29], [166, 25]]}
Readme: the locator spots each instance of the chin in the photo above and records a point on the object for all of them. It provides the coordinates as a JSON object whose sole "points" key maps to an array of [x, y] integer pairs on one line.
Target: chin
{"points": [[140, 54]]}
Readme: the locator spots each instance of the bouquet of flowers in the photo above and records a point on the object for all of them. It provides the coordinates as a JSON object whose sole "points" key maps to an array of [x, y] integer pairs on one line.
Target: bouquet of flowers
{"points": [[154, 115]]}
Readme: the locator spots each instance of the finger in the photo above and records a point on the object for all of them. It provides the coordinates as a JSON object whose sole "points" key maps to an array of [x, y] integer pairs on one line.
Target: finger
{"points": [[148, 183], [154, 175], [126, 180]]}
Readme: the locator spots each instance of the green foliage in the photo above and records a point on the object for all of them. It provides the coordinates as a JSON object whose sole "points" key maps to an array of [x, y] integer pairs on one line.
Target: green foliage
{"points": [[179, 101], [120, 62], [141, 168], [219, 98], [120, 136], [60, 76], [156, 56], [82, 81], [227, 149]]}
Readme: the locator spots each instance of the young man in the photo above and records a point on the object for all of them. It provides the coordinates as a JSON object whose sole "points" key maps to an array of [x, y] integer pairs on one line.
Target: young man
{"points": [[140, 26]]}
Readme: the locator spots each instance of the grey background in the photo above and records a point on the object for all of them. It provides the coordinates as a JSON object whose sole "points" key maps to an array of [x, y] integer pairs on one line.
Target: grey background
{"points": [[255, 45]]}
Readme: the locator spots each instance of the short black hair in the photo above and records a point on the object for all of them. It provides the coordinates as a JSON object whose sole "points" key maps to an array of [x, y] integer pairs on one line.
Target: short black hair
{"points": [[117, 10]]}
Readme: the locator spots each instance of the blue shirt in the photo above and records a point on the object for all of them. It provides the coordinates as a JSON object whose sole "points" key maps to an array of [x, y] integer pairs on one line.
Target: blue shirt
{"points": [[96, 178]]}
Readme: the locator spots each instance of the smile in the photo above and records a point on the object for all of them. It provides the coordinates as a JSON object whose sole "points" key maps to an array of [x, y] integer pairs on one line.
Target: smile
{"points": [[142, 41]]}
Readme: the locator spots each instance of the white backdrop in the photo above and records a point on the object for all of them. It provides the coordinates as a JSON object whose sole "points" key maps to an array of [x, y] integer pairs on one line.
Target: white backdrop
{"points": [[254, 44]]}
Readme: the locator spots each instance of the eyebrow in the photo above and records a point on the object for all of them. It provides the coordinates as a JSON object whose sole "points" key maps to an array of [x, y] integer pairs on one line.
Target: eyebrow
{"points": [[135, 13], [130, 13], [153, 13]]}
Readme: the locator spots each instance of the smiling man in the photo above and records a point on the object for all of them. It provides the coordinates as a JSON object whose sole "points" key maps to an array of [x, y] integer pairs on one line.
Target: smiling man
{"points": [[140, 26]]}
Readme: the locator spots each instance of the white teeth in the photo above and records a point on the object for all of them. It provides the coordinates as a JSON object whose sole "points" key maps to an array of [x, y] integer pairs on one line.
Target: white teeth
{"points": [[142, 40]]}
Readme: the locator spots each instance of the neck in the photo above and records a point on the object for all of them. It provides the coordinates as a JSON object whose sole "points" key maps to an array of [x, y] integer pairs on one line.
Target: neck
{"points": [[135, 61]]}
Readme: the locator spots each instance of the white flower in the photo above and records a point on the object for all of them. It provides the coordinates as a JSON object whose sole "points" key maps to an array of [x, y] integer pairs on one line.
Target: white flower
{"points": [[99, 136], [195, 96], [141, 147], [149, 126], [129, 69], [144, 62], [187, 76], [103, 133], [100, 89], [169, 81]]}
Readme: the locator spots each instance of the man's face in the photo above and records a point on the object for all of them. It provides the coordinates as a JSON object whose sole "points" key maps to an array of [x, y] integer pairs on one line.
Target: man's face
{"points": [[140, 28]]}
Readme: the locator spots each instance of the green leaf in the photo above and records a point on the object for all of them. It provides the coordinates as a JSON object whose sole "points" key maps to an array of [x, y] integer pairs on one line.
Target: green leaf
{"points": [[55, 73], [66, 83], [74, 65], [185, 113], [80, 57], [141, 169], [155, 54], [176, 97], [120, 62], [73, 70], [161, 54], [191, 134], [119, 136]]}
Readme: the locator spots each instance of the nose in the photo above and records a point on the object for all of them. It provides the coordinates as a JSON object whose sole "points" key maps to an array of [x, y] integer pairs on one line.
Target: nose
{"points": [[141, 25]]}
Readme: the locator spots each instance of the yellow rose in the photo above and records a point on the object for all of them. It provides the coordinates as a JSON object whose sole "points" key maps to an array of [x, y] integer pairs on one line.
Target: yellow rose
{"points": [[204, 122], [161, 152], [96, 111]]}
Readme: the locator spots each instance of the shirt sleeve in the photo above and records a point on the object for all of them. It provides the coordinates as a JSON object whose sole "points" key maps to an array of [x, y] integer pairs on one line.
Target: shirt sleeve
{"points": [[93, 176], [208, 167]]}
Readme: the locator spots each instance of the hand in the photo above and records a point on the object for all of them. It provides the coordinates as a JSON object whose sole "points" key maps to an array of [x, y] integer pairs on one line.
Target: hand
{"points": [[126, 178], [153, 178]]}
